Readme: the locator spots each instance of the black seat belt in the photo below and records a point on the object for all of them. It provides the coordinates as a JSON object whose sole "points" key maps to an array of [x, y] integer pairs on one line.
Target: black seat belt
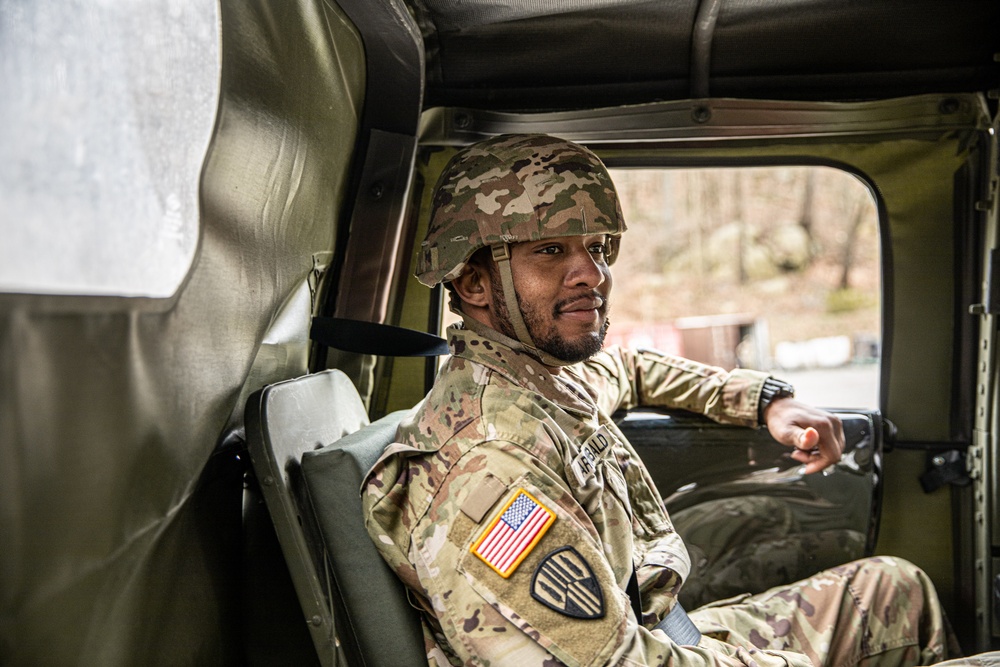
{"points": [[633, 595], [375, 338], [676, 624]]}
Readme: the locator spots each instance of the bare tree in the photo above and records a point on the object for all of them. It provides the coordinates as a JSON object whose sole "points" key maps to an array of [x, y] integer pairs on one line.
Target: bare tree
{"points": [[740, 219], [806, 217], [847, 256]]}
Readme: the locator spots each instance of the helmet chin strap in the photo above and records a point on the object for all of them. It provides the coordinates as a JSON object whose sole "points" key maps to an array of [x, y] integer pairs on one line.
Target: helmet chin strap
{"points": [[501, 255]]}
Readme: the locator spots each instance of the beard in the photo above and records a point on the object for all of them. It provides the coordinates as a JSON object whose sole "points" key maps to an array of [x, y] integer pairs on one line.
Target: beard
{"points": [[547, 337]]}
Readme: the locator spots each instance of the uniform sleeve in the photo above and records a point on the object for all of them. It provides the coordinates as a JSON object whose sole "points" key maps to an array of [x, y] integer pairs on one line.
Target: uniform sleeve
{"points": [[624, 379], [515, 573]]}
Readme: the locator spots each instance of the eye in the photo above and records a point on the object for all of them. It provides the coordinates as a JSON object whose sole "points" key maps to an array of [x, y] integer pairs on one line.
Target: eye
{"points": [[599, 249], [552, 249]]}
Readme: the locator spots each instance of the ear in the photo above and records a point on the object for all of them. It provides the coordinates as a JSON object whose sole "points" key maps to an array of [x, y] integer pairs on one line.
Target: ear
{"points": [[473, 286]]}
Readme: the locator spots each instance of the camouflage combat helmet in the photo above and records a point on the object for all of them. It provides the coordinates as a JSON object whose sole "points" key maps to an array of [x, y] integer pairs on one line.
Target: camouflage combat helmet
{"points": [[512, 189]]}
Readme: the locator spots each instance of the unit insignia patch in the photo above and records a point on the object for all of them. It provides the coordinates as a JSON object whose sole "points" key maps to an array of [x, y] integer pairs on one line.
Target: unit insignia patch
{"points": [[563, 581]]}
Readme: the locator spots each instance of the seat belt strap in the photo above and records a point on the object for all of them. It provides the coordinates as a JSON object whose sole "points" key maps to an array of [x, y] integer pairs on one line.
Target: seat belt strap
{"points": [[678, 626], [375, 338], [633, 595]]}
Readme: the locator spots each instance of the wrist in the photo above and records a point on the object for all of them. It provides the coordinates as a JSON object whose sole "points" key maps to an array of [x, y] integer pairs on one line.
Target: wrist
{"points": [[772, 390]]}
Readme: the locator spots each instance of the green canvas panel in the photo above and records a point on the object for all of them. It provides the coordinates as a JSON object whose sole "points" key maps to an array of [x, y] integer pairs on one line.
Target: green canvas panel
{"points": [[120, 530]]}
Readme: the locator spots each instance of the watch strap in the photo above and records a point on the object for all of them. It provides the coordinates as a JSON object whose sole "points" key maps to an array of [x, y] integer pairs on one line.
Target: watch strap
{"points": [[772, 390]]}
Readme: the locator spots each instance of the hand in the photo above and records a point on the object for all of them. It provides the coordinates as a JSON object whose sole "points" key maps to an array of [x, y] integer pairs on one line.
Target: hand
{"points": [[816, 435]]}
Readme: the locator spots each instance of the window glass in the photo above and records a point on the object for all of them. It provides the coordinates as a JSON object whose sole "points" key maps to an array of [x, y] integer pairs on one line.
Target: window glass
{"points": [[771, 268], [107, 111]]}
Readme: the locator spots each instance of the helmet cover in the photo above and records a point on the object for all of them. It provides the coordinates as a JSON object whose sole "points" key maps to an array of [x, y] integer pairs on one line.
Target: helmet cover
{"points": [[511, 189]]}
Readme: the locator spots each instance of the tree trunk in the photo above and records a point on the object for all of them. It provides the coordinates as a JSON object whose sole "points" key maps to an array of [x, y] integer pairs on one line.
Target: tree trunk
{"points": [[740, 220], [847, 258], [806, 212]]}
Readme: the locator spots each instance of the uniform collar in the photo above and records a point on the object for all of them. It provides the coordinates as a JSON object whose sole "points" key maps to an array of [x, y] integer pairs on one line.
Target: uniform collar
{"points": [[521, 369]]}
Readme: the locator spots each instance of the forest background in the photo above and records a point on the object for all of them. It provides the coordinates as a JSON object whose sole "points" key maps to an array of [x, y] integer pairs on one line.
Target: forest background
{"points": [[794, 250]]}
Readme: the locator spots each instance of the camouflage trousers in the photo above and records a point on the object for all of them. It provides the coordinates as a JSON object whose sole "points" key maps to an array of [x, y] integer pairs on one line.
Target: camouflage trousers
{"points": [[990, 659], [876, 611]]}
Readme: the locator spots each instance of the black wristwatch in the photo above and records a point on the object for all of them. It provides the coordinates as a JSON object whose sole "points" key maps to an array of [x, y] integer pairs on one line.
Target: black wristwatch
{"points": [[772, 390]]}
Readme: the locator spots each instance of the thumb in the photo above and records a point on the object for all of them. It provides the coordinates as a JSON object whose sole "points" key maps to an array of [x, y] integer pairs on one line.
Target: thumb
{"points": [[808, 438]]}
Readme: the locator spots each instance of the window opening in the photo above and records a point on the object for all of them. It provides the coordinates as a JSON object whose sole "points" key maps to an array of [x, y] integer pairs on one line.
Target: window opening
{"points": [[770, 268]]}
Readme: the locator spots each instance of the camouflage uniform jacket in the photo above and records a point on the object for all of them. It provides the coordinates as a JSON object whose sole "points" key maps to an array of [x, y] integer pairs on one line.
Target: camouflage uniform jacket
{"points": [[503, 444]]}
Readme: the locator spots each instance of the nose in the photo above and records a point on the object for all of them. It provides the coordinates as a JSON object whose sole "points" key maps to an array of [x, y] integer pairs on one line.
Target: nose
{"points": [[586, 269]]}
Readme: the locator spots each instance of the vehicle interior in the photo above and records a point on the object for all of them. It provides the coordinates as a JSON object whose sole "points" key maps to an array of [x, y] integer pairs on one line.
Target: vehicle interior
{"points": [[209, 324]]}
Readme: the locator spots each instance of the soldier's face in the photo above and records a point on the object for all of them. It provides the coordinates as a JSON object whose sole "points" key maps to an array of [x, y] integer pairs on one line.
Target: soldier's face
{"points": [[562, 287]]}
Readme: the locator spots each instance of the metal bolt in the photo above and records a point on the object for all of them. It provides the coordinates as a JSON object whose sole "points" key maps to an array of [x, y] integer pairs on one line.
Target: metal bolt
{"points": [[377, 191], [938, 460], [316, 620], [463, 121], [701, 114], [268, 481], [949, 106]]}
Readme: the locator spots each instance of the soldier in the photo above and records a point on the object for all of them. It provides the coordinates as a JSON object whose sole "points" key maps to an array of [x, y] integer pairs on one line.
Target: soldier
{"points": [[521, 520]]}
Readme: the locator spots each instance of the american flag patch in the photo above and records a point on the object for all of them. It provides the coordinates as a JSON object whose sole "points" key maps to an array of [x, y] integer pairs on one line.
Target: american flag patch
{"points": [[511, 536]]}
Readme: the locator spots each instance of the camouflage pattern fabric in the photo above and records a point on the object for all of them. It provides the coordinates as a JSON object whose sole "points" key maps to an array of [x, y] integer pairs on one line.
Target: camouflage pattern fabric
{"points": [[988, 659], [752, 543], [877, 611], [516, 188], [501, 442], [497, 423]]}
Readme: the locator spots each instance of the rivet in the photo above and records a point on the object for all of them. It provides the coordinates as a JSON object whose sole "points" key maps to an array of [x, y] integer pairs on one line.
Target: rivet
{"points": [[949, 106]]}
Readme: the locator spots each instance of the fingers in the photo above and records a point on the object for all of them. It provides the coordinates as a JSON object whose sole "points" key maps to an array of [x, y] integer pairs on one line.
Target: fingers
{"points": [[816, 435], [820, 450]]}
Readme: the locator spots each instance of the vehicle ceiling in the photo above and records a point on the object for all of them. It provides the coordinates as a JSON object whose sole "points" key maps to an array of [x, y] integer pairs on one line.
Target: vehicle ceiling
{"points": [[534, 55]]}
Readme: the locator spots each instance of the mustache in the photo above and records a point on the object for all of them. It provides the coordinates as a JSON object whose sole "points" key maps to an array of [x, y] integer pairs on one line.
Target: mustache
{"points": [[570, 303]]}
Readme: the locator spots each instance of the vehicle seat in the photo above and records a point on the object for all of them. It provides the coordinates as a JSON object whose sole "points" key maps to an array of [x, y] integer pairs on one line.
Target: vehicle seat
{"points": [[311, 445]]}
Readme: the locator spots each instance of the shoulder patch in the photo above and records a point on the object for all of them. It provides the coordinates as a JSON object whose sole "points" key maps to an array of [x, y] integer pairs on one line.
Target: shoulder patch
{"points": [[512, 535], [564, 582]]}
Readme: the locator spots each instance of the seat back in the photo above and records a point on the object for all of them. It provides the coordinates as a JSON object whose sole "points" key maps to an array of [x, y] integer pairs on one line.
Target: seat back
{"points": [[335, 568], [376, 624]]}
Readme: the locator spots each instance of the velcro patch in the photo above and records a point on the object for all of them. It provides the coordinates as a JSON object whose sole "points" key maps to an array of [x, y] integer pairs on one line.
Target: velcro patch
{"points": [[564, 582], [512, 535], [483, 497]]}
